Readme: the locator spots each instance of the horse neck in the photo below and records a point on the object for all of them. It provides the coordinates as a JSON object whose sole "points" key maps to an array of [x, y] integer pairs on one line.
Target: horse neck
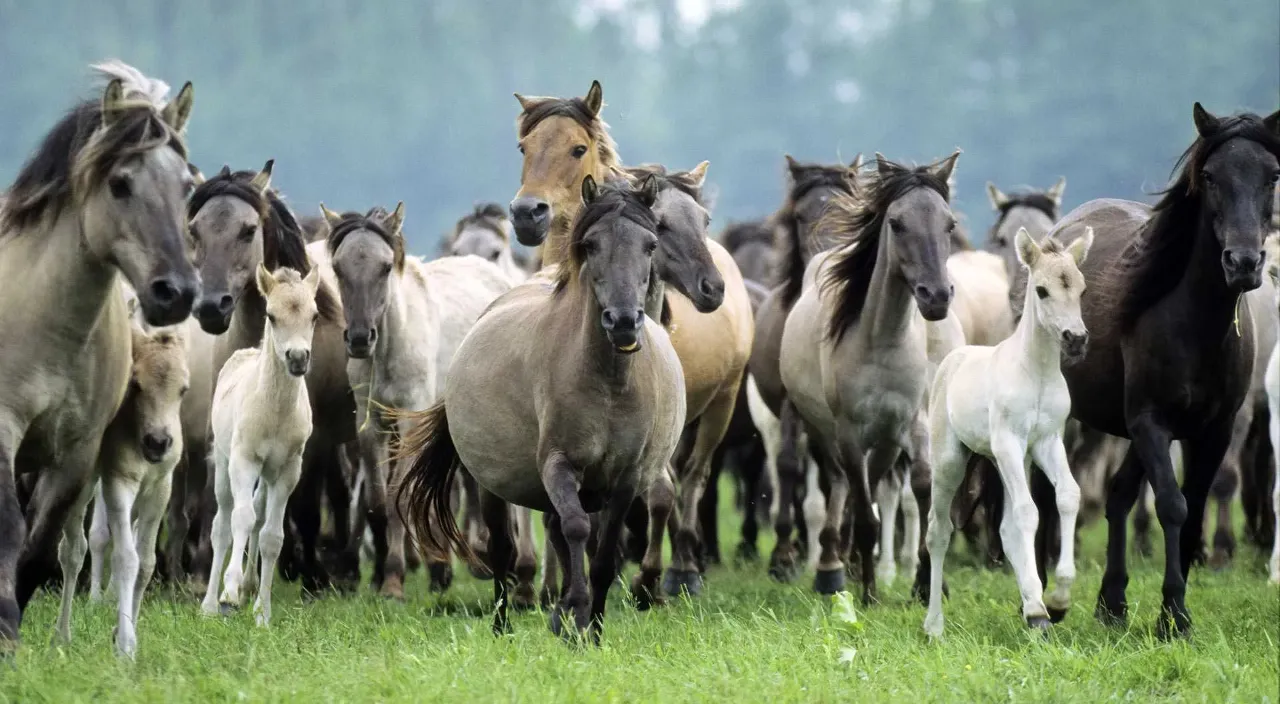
{"points": [[276, 389], [1040, 347], [888, 310], [66, 264], [599, 357], [1203, 290], [395, 331]]}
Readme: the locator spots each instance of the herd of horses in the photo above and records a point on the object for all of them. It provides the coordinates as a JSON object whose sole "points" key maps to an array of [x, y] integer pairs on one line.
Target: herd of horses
{"points": [[301, 394]]}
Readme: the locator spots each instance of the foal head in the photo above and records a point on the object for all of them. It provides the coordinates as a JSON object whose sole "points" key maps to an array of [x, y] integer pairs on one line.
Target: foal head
{"points": [[611, 253], [1054, 287], [159, 380], [562, 140], [291, 314], [485, 232], [365, 250]]}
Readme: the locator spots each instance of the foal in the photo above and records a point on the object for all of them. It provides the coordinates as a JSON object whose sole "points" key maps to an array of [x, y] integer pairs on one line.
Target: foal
{"points": [[135, 465], [1272, 248], [1005, 403], [261, 420]]}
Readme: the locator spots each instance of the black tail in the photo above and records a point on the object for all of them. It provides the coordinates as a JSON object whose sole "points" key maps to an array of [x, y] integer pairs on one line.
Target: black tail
{"points": [[426, 485]]}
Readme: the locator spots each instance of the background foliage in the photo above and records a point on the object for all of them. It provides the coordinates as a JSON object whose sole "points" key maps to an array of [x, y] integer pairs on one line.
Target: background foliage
{"points": [[363, 101]]}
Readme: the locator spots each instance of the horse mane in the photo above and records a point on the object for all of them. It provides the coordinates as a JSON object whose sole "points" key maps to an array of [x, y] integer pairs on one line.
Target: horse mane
{"points": [[682, 181], [283, 242], [740, 234], [1153, 263], [858, 219], [616, 199], [790, 264], [575, 109], [488, 215], [1025, 198], [76, 156]]}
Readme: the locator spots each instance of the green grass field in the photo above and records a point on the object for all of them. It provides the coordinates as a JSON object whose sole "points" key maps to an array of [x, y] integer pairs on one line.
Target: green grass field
{"points": [[746, 639]]}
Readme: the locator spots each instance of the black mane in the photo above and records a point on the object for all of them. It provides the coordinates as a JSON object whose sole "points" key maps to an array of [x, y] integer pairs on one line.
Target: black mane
{"points": [[1038, 200], [790, 253], [615, 199], [680, 180], [283, 244]]}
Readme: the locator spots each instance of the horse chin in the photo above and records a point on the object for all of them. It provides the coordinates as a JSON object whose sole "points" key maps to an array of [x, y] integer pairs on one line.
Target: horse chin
{"points": [[152, 456], [529, 232], [1243, 282], [1073, 357], [214, 324], [625, 343], [933, 312], [297, 370]]}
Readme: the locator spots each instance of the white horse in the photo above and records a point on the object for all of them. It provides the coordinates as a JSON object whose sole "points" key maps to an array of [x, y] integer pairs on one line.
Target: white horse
{"points": [[1272, 246], [261, 420], [135, 470], [1007, 402]]}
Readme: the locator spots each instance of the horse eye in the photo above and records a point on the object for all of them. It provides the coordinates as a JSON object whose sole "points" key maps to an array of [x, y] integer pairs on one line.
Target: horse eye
{"points": [[1275, 178], [579, 151], [951, 228], [651, 246], [1208, 177], [271, 318], [895, 226], [314, 317], [386, 269], [247, 232], [183, 391], [493, 257], [520, 147], [1042, 292], [120, 187], [188, 188]]}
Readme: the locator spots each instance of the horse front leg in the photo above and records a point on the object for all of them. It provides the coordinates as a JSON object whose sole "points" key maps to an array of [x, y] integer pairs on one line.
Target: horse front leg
{"points": [[660, 499], [1051, 455], [1202, 458]]}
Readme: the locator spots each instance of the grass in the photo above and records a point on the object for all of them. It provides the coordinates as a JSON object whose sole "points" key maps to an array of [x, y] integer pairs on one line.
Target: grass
{"points": [[746, 639]]}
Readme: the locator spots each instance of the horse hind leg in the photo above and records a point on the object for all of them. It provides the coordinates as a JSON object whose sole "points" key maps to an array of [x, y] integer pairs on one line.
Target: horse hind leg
{"points": [[526, 563], [888, 496], [13, 530], [660, 500], [271, 538], [99, 539], [781, 437], [71, 556], [57, 490]]}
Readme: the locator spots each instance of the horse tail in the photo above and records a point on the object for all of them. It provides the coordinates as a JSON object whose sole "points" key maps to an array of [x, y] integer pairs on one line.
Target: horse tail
{"points": [[426, 485]]}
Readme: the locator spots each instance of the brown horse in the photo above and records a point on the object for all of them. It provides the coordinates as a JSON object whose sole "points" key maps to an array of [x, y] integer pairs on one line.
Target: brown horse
{"points": [[1170, 357], [238, 222], [751, 245], [101, 197], [796, 241], [563, 141], [581, 417]]}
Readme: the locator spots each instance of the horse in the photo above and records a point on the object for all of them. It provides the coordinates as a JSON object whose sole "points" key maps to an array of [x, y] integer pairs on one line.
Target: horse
{"points": [[1007, 402], [101, 197], [261, 421], [583, 418], [238, 221], [1030, 209], [854, 354], [135, 469], [797, 239], [563, 140], [405, 319], [750, 243], [1272, 375], [486, 233], [1174, 272]]}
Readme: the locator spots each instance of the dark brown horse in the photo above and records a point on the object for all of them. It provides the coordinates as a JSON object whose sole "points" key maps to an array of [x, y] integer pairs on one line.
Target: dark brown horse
{"points": [[1169, 358]]}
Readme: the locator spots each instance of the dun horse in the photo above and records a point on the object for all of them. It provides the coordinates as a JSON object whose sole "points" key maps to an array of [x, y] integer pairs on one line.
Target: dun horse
{"points": [[854, 355], [486, 233], [1170, 357], [101, 196], [582, 418]]}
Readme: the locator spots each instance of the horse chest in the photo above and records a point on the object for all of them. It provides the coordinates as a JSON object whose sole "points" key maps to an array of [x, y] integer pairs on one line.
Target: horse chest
{"points": [[882, 398], [1191, 387]]}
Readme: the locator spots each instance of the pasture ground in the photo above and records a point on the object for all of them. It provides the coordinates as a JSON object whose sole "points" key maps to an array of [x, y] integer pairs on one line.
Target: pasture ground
{"points": [[746, 639]]}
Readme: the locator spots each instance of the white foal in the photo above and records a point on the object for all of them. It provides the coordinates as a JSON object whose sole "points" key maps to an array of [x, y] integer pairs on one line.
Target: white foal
{"points": [[135, 470], [261, 420], [1007, 402], [1272, 247]]}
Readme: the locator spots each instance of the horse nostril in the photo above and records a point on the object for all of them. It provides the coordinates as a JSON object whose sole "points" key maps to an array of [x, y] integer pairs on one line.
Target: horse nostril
{"points": [[226, 304], [157, 444], [540, 209], [164, 291], [607, 319], [373, 335]]}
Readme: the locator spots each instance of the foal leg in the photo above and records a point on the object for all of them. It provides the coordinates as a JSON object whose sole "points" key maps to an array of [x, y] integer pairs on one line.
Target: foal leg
{"points": [[1051, 455], [244, 473], [661, 497], [71, 556], [251, 555], [1018, 529], [120, 495], [271, 540], [708, 508], [758, 493], [813, 510], [909, 553], [562, 481], [1142, 520], [949, 459], [220, 533], [151, 507], [99, 538]]}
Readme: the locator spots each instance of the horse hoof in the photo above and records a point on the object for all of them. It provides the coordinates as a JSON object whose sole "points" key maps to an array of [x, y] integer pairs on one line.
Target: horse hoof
{"points": [[828, 581], [1057, 615], [782, 570], [1108, 616], [1169, 627], [676, 582], [747, 553], [1039, 623], [644, 589], [556, 623], [441, 577]]}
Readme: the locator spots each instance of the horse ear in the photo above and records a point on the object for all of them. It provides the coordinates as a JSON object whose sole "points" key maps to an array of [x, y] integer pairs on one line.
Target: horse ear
{"points": [[946, 167], [113, 101], [998, 199], [225, 170], [856, 164], [649, 190], [699, 173], [178, 111], [395, 220], [312, 279], [595, 98], [1272, 123], [1080, 248], [1206, 123], [329, 216], [266, 282], [196, 176], [1026, 247], [883, 167], [589, 190], [262, 181], [1055, 192]]}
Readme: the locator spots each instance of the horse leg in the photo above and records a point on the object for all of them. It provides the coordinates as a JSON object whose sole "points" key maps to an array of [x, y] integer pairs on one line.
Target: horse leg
{"points": [[57, 489], [1274, 429], [13, 531], [949, 459], [1142, 520], [846, 474], [784, 435], [175, 544], [683, 575], [99, 538], [1051, 455], [549, 590], [496, 515], [1202, 458], [243, 473], [71, 556], [526, 563], [1225, 484], [917, 500], [151, 508], [201, 488], [473, 524], [813, 509], [1151, 442], [120, 495], [1112, 607], [220, 533], [573, 529], [1018, 529], [660, 498], [252, 553], [758, 495], [912, 540], [708, 508], [888, 496], [1043, 496], [271, 537], [604, 562], [347, 565]]}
